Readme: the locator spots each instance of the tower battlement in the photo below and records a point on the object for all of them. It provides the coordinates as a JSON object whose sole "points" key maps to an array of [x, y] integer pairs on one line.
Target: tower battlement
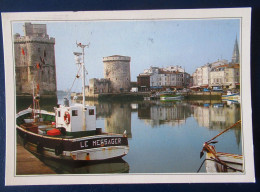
{"points": [[116, 58], [27, 39]]}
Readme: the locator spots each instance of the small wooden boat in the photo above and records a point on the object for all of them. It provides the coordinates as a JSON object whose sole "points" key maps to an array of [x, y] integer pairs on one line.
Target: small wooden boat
{"points": [[68, 133], [219, 161], [222, 162], [171, 97], [231, 96]]}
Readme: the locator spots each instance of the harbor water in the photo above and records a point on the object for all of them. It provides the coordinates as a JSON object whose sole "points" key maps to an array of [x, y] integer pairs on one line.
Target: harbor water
{"points": [[164, 137]]}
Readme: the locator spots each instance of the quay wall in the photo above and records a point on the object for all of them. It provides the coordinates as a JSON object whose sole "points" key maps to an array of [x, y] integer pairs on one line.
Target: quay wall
{"points": [[139, 96]]}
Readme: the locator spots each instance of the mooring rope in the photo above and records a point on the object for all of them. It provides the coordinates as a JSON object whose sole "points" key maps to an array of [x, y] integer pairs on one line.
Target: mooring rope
{"points": [[224, 131], [73, 82]]}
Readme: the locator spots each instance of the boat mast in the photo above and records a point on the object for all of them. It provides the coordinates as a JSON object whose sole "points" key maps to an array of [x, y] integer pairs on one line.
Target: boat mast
{"points": [[83, 81], [83, 70]]}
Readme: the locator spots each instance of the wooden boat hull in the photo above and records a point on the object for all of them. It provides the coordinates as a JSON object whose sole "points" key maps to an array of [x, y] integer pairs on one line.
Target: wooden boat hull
{"points": [[232, 160], [223, 162], [88, 148]]}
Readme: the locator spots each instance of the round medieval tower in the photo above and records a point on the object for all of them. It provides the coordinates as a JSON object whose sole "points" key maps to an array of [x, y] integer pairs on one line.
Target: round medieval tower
{"points": [[117, 70], [35, 60]]}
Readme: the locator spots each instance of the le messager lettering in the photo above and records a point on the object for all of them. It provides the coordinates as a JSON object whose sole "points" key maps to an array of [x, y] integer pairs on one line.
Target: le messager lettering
{"points": [[100, 142]]}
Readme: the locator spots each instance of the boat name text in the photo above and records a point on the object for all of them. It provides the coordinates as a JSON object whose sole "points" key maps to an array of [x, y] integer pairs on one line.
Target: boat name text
{"points": [[100, 142]]}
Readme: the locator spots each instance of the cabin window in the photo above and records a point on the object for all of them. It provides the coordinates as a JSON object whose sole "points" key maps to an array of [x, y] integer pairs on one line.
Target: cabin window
{"points": [[74, 112], [91, 112]]}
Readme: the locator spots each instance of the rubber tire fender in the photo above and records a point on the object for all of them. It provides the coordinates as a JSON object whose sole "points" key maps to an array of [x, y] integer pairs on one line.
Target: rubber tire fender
{"points": [[59, 149]]}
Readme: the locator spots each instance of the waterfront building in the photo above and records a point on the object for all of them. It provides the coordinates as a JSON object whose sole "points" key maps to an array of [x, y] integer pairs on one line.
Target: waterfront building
{"points": [[35, 60], [174, 69], [97, 86], [217, 76], [197, 77], [201, 75], [226, 76], [169, 77], [187, 80], [232, 76], [117, 71], [143, 82]]}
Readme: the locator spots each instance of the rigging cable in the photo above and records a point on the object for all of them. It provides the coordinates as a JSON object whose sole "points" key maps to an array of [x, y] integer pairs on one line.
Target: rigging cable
{"points": [[69, 91]]}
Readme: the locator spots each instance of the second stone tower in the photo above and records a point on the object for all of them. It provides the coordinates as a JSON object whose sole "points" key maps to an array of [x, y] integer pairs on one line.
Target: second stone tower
{"points": [[117, 70]]}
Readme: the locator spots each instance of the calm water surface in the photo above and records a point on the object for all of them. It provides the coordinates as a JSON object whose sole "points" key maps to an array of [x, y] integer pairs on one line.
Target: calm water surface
{"points": [[164, 137]]}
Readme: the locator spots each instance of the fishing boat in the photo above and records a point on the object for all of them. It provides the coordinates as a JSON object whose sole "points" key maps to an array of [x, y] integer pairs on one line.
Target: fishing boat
{"points": [[231, 96], [68, 133], [219, 161]]}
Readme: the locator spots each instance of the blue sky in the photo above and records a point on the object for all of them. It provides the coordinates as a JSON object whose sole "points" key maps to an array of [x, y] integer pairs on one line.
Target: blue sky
{"points": [[161, 43]]}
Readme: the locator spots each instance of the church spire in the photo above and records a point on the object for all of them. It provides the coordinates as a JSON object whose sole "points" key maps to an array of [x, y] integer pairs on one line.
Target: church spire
{"points": [[235, 56]]}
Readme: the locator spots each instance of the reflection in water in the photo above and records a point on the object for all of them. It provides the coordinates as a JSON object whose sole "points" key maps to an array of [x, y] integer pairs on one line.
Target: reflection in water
{"points": [[120, 119], [45, 104], [158, 113], [117, 116], [63, 167], [174, 148], [218, 116], [213, 114]]}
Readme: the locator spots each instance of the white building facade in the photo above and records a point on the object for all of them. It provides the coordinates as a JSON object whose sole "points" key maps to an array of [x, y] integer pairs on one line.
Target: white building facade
{"points": [[202, 74], [172, 76]]}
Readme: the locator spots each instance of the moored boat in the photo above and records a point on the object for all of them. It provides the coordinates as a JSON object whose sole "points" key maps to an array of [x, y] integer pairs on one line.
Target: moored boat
{"points": [[231, 96], [171, 97], [68, 133], [222, 162]]}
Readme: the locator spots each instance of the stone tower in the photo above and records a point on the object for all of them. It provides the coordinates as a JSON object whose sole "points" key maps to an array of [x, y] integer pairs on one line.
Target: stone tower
{"points": [[117, 70], [235, 56], [35, 60]]}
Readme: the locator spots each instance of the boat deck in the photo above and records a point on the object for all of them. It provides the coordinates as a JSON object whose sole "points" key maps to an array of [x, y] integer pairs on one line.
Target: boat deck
{"points": [[43, 127]]}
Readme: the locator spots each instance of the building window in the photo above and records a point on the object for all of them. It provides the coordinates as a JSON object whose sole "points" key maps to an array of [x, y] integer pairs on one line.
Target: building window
{"points": [[58, 113], [91, 112], [74, 112]]}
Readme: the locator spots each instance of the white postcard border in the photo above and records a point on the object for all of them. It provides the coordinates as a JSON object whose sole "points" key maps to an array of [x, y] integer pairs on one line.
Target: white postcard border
{"points": [[243, 13]]}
